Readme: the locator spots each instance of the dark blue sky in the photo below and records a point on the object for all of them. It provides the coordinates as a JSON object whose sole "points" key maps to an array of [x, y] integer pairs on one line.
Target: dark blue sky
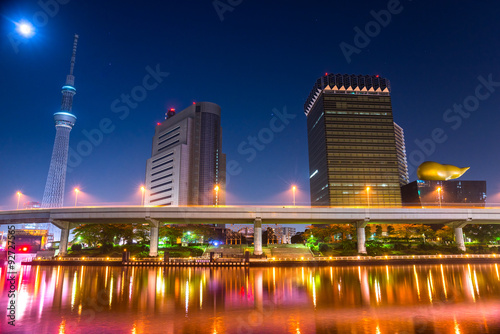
{"points": [[262, 56]]}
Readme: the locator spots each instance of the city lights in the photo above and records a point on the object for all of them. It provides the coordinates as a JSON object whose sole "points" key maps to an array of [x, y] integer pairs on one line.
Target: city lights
{"points": [[294, 188], [368, 196]]}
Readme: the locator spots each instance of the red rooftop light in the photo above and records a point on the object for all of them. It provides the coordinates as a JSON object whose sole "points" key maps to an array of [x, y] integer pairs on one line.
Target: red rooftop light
{"points": [[158, 123], [172, 109], [377, 75]]}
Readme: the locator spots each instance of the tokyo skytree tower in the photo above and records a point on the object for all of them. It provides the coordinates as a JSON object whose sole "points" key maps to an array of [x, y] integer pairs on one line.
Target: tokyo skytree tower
{"points": [[53, 195]]}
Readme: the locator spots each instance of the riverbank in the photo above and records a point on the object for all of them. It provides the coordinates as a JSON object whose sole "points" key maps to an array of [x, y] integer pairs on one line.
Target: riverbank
{"points": [[275, 262]]}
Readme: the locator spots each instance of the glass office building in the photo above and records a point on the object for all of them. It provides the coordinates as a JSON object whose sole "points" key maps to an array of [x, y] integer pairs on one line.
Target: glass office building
{"points": [[352, 149]]}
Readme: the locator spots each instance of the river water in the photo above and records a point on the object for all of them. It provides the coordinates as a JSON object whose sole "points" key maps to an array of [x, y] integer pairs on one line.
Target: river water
{"points": [[386, 299]]}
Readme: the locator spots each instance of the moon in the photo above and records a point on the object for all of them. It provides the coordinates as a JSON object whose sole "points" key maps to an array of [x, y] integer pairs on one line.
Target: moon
{"points": [[25, 29]]}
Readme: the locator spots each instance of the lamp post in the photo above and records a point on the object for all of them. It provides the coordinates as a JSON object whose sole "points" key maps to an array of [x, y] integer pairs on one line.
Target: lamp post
{"points": [[216, 188], [294, 188], [18, 199], [142, 195], [76, 195], [439, 189], [368, 196]]}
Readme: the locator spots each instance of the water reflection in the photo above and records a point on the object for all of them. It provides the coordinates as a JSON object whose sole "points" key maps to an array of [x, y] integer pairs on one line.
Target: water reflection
{"points": [[385, 299]]}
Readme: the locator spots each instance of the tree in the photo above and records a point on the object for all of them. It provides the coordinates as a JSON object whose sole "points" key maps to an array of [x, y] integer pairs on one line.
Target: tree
{"points": [[378, 231], [407, 231], [141, 233], [101, 234], [390, 230], [89, 234], [170, 234], [483, 233], [329, 233], [319, 234], [446, 234], [298, 238], [426, 231], [344, 230], [269, 237], [368, 232]]}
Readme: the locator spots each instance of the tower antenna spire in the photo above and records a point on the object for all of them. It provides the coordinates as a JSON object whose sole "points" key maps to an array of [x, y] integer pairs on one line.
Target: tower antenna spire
{"points": [[73, 56]]}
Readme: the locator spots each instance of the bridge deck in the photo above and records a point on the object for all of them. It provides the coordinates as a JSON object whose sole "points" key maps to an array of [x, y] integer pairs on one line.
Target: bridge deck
{"points": [[247, 215]]}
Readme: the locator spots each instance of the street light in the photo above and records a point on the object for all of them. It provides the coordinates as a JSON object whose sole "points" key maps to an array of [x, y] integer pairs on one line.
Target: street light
{"points": [[294, 188], [18, 199], [368, 196], [76, 195], [216, 188], [439, 189], [142, 196]]}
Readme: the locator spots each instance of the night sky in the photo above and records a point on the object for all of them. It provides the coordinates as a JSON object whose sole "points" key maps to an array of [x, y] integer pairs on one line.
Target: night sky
{"points": [[263, 57]]}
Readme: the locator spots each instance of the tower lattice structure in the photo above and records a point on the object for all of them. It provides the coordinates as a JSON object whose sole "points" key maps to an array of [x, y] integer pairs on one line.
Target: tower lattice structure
{"points": [[53, 195]]}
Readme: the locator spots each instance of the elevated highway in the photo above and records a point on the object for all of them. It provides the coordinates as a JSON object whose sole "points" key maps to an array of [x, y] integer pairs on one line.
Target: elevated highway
{"points": [[68, 218]]}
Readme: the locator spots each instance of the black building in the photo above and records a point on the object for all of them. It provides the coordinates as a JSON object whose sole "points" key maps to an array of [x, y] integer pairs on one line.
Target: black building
{"points": [[444, 193], [352, 150]]}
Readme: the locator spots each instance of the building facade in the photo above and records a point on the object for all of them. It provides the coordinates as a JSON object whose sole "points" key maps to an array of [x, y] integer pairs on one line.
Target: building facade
{"points": [[187, 166], [352, 150], [284, 234], [444, 193], [404, 178]]}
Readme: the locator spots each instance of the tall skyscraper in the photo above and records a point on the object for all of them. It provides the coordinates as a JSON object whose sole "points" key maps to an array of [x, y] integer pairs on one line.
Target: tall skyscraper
{"points": [[404, 178], [187, 166], [53, 195], [352, 150]]}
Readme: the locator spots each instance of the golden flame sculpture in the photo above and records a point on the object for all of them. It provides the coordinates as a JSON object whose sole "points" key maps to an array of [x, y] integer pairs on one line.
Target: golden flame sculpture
{"points": [[433, 171]]}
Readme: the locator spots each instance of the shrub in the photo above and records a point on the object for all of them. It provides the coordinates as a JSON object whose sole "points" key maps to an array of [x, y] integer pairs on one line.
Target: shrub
{"points": [[76, 247], [196, 252], [374, 248], [323, 248], [143, 254], [400, 247], [425, 246], [348, 245], [106, 247]]}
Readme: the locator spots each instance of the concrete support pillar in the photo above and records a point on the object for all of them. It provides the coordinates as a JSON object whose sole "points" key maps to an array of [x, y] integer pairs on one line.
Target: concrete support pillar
{"points": [[153, 237], [63, 244], [257, 236], [360, 232], [459, 234], [459, 238]]}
